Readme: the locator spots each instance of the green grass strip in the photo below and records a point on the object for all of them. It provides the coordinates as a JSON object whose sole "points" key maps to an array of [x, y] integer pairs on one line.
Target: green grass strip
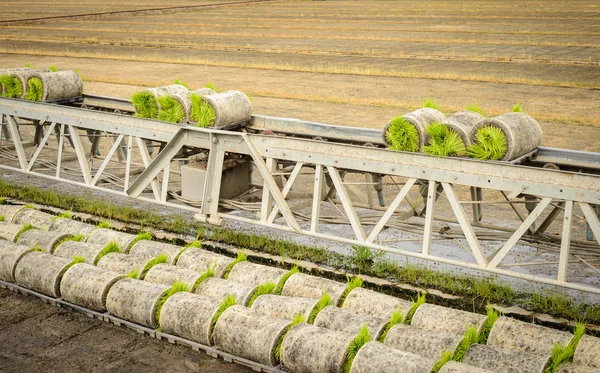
{"points": [[133, 274], [211, 86], [144, 236], [443, 141], [471, 337], [104, 224], [360, 340], [492, 317], [266, 288], [298, 319], [35, 89], [162, 258], [2, 218], [12, 86], [397, 318], [446, 357], [178, 286], [475, 108], [111, 247], [241, 257], [202, 112], [353, 283], [415, 304], [284, 279], [430, 103], [24, 229], [402, 135], [210, 272], [564, 354], [195, 243], [170, 110], [65, 214], [322, 303], [517, 108], [227, 302], [177, 81], [490, 144], [53, 68], [145, 105]]}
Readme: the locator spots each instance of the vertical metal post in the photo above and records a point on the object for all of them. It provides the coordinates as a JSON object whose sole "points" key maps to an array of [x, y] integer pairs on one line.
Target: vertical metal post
{"points": [[565, 245], [427, 232], [476, 196], [212, 183], [317, 198], [267, 199]]}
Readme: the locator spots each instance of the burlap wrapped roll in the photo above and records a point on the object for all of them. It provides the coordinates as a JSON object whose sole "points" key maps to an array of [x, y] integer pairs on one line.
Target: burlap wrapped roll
{"points": [[73, 227], [462, 123], [34, 217], [500, 360], [202, 92], [47, 241], [10, 255], [60, 84], [41, 272], [229, 107], [419, 118], [374, 357], [433, 317], [167, 90], [523, 133], [87, 286], [10, 211]]}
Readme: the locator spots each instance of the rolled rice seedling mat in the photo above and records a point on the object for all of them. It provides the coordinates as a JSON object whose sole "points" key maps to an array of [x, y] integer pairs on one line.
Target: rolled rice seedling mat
{"points": [[151, 249], [408, 132], [588, 352], [219, 288], [90, 252], [189, 316], [420, 341], [246, 333], [8, 82], [449, 320], [255, 274], [306, 286], [10, 255], [146, 102], [575, 368], [374, 357], [9, 231], [45, 240], [167, 274], [174, 108], [283, 307], [456, 367], [202, 92], [309, 349], [124, 264], [372, 303], [102, 236], [55, 85], [501, 360], [201, 260], [136, 301], [228, 107], [462, 123], [34, 217], [87, 286], [522, 133], [70, 226], [23, 78], [512, 334], [348, 321], [9, 212], [42, 272]]}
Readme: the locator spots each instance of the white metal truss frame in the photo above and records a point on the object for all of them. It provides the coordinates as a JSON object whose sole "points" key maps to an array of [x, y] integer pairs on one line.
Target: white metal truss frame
{"points": [[547, 185]]}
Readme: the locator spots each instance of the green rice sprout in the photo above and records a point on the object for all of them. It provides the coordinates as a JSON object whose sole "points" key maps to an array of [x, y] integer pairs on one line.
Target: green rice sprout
{"points": [[443, 141], [397, 318], [402, 135], [2, 218], [266, 288], [195, 243], [492, 317], [471, 337], [76, 238], [210, 272], [2, 200], [446, 357], [144, 236], [37, 247], [145, 104], [111, 247], [162, 258], [133, 274], [241, 257], [353, 283], [178, 286], [203, 113], [29, 65], [77, 259], [475, 108], [429, 103], [360, 340], [65, 214], [298, 319], [104, 224], [35, 89], [12, 86], [415, 304], [53, 68], [170, 110], [227, 302], [211, 86], [517, 108], [490, 144], [564, 354], [322, 303], [24, 229], [284, 279], [177, 81]]}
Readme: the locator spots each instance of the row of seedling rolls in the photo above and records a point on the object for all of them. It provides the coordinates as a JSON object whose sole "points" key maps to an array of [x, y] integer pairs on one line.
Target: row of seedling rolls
{"points": [[202, 107], [273, 316], [45, 85], [466, 133]]}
